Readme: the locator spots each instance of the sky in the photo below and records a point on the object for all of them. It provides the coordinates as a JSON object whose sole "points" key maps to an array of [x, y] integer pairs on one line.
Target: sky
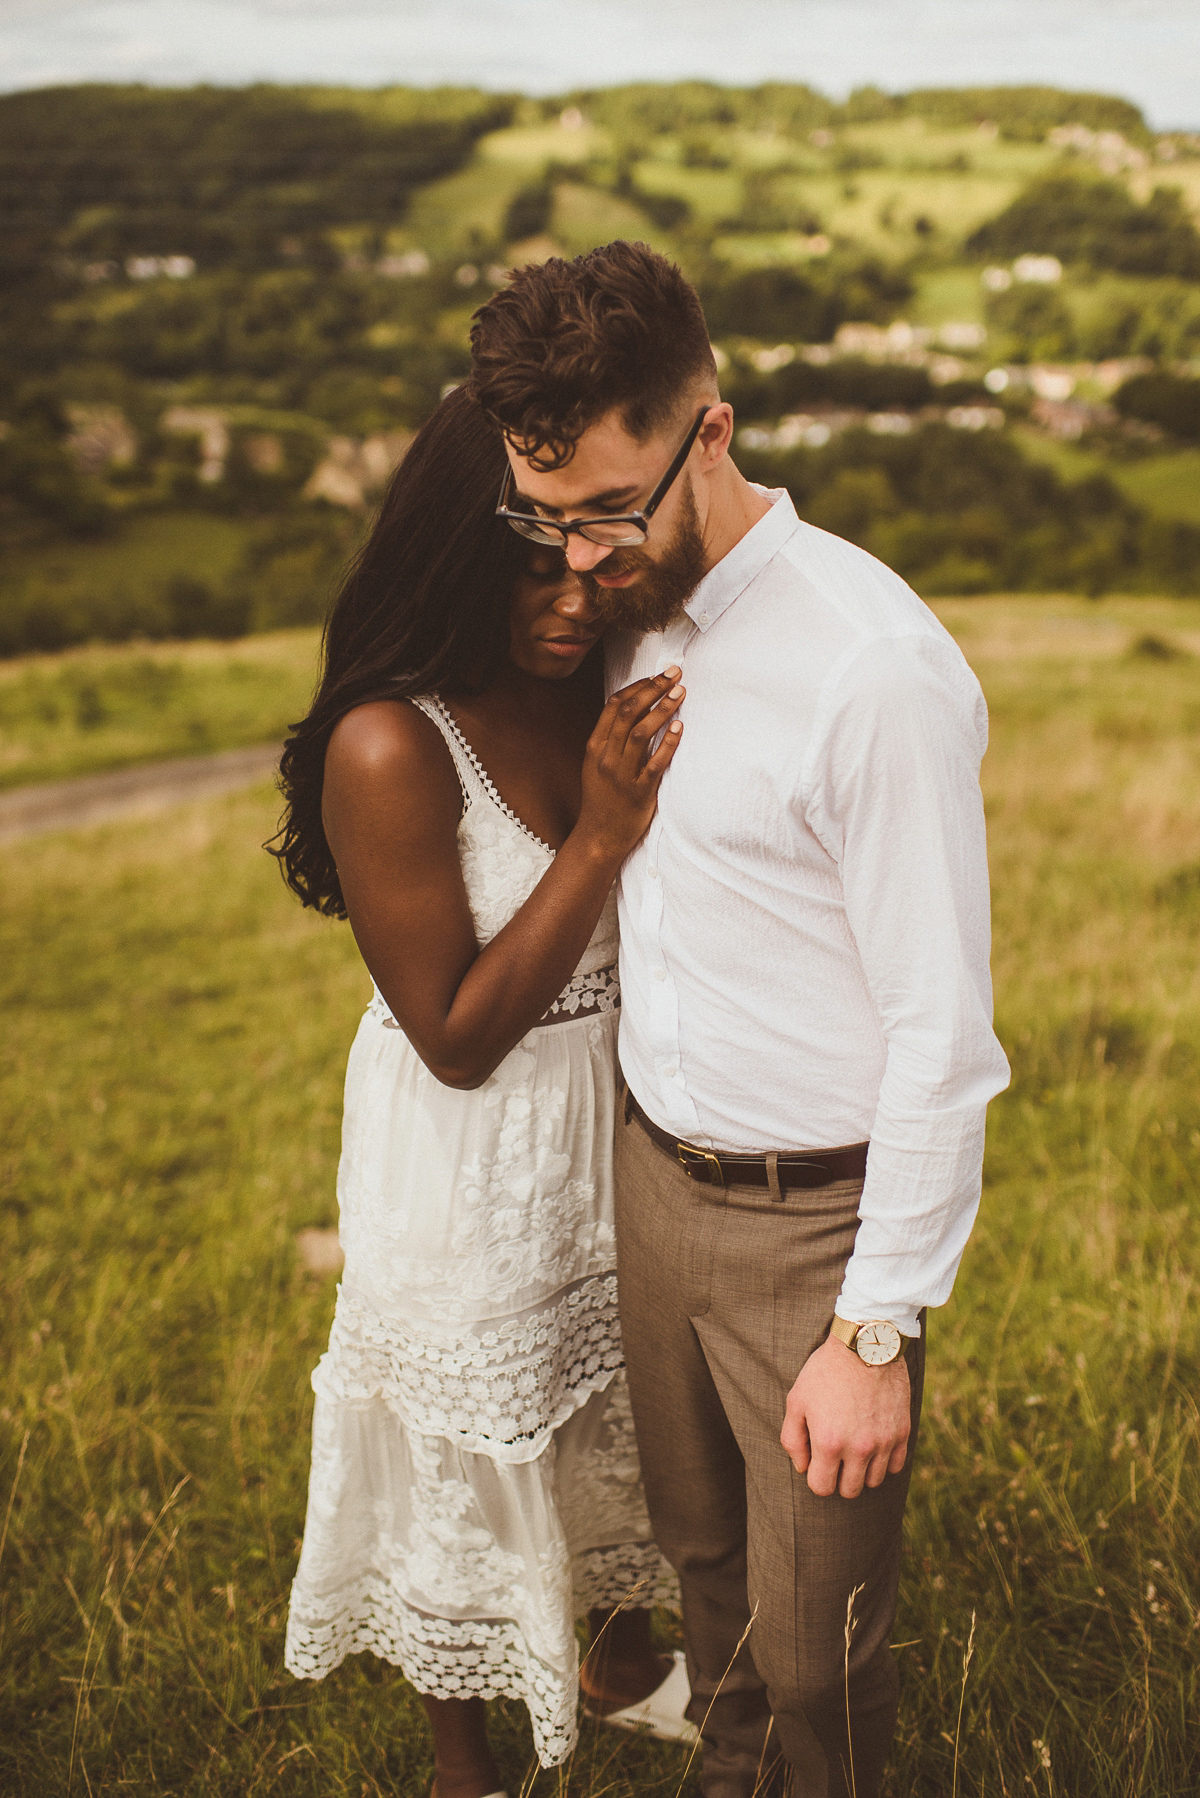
{"points": [[1146, 50]]}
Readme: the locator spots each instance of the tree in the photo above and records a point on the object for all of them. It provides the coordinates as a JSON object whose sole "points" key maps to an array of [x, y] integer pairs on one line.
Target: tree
{"points": [[529, 211], [1170, 401], [1026, 113], [1097, 223], [220, 174], [1036, 321], [802, 306], [958, 513], [40, 484]]}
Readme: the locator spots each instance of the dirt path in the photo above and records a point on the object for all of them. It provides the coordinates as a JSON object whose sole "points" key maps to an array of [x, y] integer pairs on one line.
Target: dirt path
{"points": [[131, 792]]}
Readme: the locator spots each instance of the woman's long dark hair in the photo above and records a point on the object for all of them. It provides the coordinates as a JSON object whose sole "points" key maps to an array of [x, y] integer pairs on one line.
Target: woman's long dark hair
{"points": [[423, 606]]}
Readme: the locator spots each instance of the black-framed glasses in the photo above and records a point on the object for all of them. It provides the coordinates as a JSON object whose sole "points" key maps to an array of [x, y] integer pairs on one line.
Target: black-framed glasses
{"points": [[613, 533]]}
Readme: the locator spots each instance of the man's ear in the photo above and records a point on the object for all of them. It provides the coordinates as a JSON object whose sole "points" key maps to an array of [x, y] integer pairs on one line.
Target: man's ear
{"points": [[716, 435]]}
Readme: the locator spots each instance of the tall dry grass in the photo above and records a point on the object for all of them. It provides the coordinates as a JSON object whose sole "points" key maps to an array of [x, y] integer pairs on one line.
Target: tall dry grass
{"points": [[175, 1034]]}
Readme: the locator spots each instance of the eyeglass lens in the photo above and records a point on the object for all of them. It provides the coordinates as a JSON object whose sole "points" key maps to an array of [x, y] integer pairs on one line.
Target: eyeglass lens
{"points": [[613, 536]]}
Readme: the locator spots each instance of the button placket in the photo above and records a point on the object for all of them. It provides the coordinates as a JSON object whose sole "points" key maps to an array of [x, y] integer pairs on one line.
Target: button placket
{"points": [[662, 1009]]}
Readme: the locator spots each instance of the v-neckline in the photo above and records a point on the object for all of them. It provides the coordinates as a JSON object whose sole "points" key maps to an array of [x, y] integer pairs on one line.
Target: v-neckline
{"points": [[486, 780]]}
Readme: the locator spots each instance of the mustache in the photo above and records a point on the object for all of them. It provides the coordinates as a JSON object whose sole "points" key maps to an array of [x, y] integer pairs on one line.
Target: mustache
{"points": [[620, 562]]}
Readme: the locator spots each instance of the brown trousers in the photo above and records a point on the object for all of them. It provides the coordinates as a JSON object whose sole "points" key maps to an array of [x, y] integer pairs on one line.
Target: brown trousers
{"points": [[724, 1295]]}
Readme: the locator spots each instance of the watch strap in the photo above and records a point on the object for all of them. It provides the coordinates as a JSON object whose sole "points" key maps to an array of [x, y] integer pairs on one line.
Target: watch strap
{"points": [[844, 1330]]}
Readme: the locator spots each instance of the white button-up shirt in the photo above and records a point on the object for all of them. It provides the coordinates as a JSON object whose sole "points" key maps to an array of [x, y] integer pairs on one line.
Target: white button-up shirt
{"points": [[805, 926]]}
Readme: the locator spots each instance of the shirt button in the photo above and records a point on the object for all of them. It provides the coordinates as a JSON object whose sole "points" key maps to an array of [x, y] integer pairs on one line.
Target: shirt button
{"points": [[660, 973], [652, 871], [704, 617]]}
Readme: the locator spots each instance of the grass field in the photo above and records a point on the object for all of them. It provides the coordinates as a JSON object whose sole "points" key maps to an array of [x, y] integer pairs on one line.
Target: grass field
{"points": [[175, 1033], [872, 187], [122, 584], [1168, 484], [104, 706], [145, 551]]}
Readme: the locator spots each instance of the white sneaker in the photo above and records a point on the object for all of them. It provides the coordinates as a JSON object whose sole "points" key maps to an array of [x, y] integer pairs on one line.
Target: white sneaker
{"points": [[661, 1714]]}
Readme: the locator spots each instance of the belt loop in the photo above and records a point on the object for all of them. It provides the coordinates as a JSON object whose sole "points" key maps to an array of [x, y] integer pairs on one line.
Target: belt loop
{"points": [[628, 1101], [772, 1160]]}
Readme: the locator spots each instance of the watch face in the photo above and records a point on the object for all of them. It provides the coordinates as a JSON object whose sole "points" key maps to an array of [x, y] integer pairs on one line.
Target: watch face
{"points": [[878, 1343]]}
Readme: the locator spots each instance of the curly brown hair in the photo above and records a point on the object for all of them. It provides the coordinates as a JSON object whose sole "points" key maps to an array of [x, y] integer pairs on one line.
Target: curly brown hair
{"points": [[566, 342]]}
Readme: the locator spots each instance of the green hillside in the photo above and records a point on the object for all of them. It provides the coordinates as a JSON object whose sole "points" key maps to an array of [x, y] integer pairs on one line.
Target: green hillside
{"points": [[233, 306]]}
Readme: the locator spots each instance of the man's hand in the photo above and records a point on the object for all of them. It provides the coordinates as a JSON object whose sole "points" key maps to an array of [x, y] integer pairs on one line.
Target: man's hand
{"points": [[843, 1414]]}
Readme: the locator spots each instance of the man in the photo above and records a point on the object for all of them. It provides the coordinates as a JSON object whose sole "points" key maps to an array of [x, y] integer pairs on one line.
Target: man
{"points": [[804, 971]]}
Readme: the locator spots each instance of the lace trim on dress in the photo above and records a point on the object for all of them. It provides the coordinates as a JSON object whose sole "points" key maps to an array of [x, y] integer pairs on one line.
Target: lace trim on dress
{"points": [[485, 777], [472, 1657], [378, 1009], [632, 1573], [587, 995], [502, 1392], [443, 1657], [437, 715]]}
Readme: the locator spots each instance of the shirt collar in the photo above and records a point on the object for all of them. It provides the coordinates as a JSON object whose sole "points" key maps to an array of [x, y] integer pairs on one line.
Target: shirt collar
{"points": [[745, 561]]}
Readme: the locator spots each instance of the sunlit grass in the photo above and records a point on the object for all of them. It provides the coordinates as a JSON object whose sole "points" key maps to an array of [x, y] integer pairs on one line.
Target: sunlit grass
{"points": [[585, 216], [175, 1033], [943, 294], [915, 140], [712, 194], [1166, 482], [1060, 1475], [535, 145], [446, 216], [110, 706], [877, 207]]}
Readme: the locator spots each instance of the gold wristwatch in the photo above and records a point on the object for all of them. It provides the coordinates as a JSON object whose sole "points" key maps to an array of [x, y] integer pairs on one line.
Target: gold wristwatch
{"points": [[875, 1343]]}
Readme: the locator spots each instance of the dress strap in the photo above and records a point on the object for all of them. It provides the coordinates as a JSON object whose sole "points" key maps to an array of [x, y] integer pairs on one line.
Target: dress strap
{"points": [[472, 775], [470, 780]]}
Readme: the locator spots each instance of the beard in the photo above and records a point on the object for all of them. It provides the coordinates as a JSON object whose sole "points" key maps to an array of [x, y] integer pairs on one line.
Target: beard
{"points": [[665, 583]]}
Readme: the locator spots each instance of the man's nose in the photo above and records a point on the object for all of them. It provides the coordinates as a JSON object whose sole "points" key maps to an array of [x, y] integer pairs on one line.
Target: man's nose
{"points": [[582, 555], [574, 604]]}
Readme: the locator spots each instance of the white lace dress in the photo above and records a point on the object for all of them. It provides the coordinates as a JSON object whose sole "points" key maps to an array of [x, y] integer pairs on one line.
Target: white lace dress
{"points": [[475, 1483]]}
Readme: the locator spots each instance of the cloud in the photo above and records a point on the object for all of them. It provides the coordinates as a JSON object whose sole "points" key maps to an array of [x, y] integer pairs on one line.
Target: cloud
{"points": [[1146, 49]]}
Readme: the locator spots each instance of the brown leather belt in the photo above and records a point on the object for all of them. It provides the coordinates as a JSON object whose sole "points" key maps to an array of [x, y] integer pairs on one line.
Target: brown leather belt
{"points": [[807, 1168]]}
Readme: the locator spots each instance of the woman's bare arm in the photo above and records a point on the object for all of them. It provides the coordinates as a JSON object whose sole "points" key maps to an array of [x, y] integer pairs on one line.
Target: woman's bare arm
{"points": [[391, 807]]}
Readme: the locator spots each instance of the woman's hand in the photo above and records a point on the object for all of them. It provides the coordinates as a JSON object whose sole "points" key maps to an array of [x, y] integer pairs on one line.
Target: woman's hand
{"points": [[391, 809], [622, 769]]}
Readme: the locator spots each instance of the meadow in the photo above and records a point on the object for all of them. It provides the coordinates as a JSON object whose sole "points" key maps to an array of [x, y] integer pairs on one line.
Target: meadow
{"points": [[1164, 484], [104, 706], [174, 1037], [137, 559]]}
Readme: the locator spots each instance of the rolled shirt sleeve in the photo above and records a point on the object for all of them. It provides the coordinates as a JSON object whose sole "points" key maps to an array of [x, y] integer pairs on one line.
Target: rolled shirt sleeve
{"points": [[891, 789]]}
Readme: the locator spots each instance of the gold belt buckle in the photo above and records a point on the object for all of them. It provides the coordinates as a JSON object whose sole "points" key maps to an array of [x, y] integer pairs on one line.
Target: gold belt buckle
{"points": [[683, 1149]]}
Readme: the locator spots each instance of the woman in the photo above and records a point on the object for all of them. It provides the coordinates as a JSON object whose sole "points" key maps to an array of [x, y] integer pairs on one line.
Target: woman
{"points": [[460, 792]]}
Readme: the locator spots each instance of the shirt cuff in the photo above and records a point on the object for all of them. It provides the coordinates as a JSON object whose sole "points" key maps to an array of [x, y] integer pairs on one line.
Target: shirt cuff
{"points": [[859, 1308]]}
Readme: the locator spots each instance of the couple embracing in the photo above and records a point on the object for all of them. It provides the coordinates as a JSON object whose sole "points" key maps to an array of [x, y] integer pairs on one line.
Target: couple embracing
{"points": [[655, 812]]}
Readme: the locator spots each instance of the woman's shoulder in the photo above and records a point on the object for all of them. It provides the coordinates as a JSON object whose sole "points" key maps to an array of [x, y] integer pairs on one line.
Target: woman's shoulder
{"points": [[386, 741], [381, 733]]}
